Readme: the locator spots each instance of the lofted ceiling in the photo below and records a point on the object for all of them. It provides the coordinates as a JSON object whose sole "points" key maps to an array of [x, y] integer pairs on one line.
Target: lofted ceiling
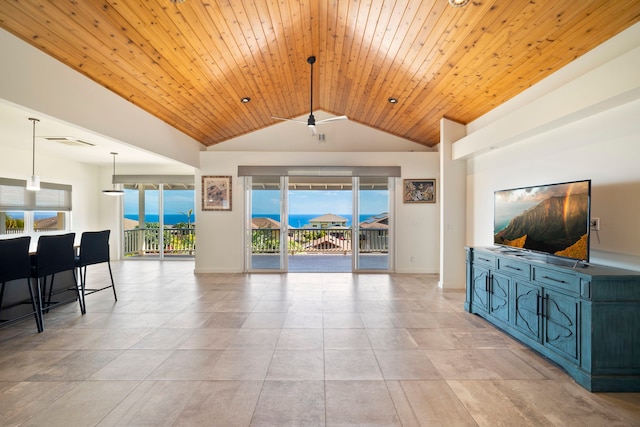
{"points": [[190, 63]]}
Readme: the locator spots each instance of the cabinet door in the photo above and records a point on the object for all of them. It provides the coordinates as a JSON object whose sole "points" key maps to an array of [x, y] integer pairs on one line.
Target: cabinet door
{"points": [[499, 296], [561, 324], [480, 281], [528, 301]]}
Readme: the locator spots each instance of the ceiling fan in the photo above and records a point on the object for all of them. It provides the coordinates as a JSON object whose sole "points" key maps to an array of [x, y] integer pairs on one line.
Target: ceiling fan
{"points": [[311, 121]]}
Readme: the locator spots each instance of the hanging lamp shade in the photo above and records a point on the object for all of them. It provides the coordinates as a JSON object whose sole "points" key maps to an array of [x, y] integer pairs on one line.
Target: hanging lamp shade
{"points": [[33, 183], [113, 191]]}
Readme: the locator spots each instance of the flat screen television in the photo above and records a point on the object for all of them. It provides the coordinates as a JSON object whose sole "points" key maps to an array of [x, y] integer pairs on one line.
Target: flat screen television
{"points": [[551, 219]]}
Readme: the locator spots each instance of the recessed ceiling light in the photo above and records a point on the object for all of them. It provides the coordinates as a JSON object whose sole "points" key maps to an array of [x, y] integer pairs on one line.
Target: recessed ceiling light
{"points": [[176, 1], [245, 100], [393, 100], [458, 3]]}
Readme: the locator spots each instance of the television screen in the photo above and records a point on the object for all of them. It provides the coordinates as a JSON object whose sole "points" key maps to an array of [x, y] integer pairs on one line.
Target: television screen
{"points": [[552, 219]]}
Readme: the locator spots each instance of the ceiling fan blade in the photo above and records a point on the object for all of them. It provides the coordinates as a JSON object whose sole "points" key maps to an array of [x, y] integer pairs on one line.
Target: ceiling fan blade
{"points": [[288, 120], [332, 119]]}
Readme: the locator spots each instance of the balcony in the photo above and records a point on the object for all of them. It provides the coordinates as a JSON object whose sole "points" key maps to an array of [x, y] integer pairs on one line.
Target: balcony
{"points": [[319, 241], [326, 250], [140, 242], [301, 242]]}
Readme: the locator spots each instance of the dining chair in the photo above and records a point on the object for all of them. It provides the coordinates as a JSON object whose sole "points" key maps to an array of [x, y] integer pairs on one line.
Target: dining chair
{"points": [[15, 266], [94, 249], [55, 254]]}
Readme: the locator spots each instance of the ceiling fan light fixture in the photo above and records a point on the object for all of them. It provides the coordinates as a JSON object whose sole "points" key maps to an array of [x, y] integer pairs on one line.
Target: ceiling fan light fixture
{"points": [[392, 100], [114, 191], [458, 3], [311, 120]]}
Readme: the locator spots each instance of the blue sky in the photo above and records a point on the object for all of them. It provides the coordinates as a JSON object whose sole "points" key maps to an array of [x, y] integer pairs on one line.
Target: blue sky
{"points": [[303, 202], [267, 202], [175, 202]]}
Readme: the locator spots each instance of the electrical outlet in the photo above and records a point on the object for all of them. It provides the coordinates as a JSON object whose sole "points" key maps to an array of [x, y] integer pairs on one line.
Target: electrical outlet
{"points": [[595, 224]]}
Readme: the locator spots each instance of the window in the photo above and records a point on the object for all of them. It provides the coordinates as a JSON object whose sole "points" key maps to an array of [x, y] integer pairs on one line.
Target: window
{"points": [[159, 215], [36, 211]]}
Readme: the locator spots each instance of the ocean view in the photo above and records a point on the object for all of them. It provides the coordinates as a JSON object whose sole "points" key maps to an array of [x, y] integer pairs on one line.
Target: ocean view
{"points": [[295, 220], [169, 219], [300, 220]]}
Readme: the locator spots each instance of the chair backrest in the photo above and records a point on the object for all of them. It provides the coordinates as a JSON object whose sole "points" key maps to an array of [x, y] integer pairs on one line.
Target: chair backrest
{"points": [[94, 247], [15, 262], [55, 254]]}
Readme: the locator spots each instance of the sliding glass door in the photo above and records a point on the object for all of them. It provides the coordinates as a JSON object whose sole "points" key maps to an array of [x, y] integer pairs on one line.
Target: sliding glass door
{"points": [[373, 208], [266, 223], [159, 220], [318, 223]]}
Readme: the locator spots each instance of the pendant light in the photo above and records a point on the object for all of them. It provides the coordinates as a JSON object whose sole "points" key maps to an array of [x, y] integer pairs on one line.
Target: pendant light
{"points": [[33, 184], [113, 191]]}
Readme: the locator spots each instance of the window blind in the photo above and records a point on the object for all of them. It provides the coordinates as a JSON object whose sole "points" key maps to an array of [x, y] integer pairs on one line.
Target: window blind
{"points": [[15, 197], [379, 171]]}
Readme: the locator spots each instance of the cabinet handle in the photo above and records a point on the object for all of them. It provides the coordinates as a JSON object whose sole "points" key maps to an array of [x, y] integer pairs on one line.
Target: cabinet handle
{"points": [[540, 305], [484, 259], [486, 283], [553, 279], [512, 268]]}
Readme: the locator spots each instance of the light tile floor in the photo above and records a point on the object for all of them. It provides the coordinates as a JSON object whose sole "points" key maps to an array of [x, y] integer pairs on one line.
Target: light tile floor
{"points": [[317, 349]]}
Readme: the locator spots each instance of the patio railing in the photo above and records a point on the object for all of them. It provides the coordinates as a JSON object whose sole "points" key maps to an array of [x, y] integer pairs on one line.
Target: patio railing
{"points": [[146, 241], [314, 240], [181, 241]]}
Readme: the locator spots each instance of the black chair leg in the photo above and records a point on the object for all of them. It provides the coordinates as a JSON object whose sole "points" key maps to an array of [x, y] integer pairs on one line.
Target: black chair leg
{"points": [[36, 308], [77, 288], [82, 272], [113, 286], [39, 300], [50, 297]]}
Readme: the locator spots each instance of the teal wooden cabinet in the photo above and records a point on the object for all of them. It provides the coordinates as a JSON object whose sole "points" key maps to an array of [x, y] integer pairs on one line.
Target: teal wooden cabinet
{"points": [[585, 319]]}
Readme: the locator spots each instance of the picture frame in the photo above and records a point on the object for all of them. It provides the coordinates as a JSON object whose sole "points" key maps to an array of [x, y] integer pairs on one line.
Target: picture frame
{"points": [[216, 193], [419, 190]]}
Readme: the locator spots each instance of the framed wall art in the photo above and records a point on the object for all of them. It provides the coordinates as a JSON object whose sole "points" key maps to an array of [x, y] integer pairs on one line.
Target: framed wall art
{"points": [[419, 191], [216, 193]]}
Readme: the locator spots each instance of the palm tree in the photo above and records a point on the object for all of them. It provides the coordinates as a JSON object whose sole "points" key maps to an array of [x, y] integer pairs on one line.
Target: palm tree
{"points": [[188, 214]]}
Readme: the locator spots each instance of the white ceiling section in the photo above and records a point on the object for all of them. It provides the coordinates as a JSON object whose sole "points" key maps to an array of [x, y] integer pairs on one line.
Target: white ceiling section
{"points": [[69, 104]]}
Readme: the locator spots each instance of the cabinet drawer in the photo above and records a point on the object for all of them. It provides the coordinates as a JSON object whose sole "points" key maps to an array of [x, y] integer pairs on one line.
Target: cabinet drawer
{"points": [[484, 259], [514, 268], [557, 279]]}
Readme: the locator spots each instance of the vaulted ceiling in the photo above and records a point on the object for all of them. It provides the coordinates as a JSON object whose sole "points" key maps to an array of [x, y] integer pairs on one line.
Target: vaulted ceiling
{"points": [[190, 63]]}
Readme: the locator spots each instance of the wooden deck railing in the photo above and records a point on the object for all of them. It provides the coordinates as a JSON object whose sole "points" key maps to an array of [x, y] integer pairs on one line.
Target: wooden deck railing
{"points": [[146, 241], [181, 241], [21, 230], [314, 240]]}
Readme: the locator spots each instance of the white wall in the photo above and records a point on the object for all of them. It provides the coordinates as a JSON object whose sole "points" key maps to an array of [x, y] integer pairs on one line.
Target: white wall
{"points": [[452, 208], [597, 140], [220, 233], [341, 135], [38, 82], [84, 179], [91, 209]]}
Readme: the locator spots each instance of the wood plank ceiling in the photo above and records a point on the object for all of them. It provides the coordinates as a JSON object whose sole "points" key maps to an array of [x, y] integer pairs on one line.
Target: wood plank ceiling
{"points": [[190, 63]]}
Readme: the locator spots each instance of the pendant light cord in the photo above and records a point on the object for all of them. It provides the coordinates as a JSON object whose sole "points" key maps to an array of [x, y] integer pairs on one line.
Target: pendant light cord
{"points": [[113, 184], [33, 147]]}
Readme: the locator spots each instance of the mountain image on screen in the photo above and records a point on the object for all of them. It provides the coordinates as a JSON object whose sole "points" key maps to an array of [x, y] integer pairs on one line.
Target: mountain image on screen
{"points": [[555, 225]]}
